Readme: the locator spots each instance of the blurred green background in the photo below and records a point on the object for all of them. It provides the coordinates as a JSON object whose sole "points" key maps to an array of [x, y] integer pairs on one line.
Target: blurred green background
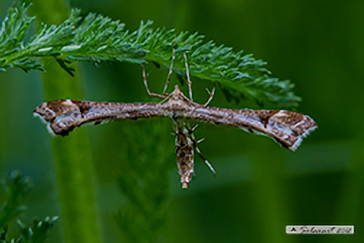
{"points": [[260, 187]]}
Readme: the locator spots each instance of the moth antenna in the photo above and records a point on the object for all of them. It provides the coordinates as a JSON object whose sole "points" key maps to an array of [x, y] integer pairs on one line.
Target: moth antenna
{"points": [[212, 93], [146, 84], [188, 77], [170, 68]]}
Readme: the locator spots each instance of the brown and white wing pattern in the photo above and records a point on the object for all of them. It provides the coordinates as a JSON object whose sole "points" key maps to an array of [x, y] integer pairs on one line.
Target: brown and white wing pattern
{"points": [[285, 127], [63, 116], [184, 152]]}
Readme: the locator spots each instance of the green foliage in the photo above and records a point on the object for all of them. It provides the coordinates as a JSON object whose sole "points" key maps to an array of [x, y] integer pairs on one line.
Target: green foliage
{"points": [[12, 33], [96, 38], [36, 234], [39, 232], [15, 190]]}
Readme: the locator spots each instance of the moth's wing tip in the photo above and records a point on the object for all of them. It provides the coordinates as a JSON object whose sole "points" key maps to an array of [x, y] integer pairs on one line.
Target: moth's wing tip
{"points": [[50, 130], [37, 114], [300, 138]]}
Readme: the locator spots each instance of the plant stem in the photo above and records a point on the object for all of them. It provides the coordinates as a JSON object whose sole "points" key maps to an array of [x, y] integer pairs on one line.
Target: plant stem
{"points": [[268, 182], [72, 155], [1, 124], [74, 166]]}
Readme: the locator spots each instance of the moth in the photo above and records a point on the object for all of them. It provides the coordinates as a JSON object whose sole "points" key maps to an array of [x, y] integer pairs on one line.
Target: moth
{"points": [[285, 127]]}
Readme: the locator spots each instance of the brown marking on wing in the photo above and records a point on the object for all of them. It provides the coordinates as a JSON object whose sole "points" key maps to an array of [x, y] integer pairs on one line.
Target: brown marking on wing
{"points": [[185, 157], [64, 116], [285, 127]]}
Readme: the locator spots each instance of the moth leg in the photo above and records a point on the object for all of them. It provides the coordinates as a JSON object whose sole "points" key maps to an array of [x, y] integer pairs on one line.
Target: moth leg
{"points": [[174, 126], [190, 131], [211, 94], [205, 160], [188, 77], [170, 68], [146, 85]]}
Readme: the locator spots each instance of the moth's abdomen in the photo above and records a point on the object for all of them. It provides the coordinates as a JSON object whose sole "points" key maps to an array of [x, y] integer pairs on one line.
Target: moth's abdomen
{"points": [[185, 158]]}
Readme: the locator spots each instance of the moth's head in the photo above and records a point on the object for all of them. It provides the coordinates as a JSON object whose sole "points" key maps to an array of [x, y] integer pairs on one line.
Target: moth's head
{"points": [[177, 94]]}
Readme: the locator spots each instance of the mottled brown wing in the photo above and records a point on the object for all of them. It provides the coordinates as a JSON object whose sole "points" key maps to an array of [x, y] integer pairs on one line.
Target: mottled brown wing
{"points": [[285, 127], [184, 151], [63, 116]]}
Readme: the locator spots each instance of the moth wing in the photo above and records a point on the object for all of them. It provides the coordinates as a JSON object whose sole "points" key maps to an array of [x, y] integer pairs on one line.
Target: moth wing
{"points": [[285, 127], [62, 116]]}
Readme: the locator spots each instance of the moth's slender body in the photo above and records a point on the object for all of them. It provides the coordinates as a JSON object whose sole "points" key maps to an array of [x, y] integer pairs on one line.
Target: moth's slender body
{"points": [[285, 127], [184, 152]]}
